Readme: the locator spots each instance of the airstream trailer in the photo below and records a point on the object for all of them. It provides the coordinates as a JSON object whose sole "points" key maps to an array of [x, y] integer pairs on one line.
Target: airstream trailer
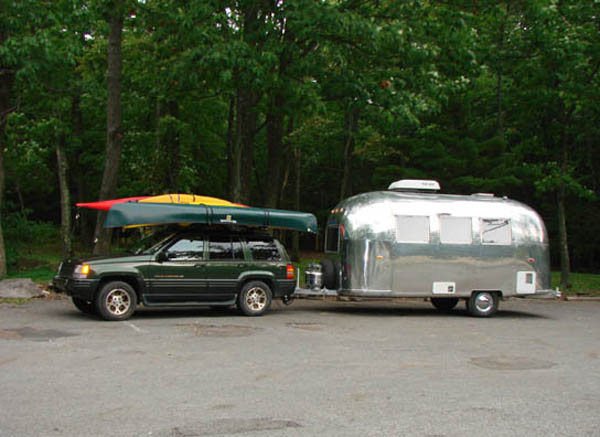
{"points": [[410, 241]]}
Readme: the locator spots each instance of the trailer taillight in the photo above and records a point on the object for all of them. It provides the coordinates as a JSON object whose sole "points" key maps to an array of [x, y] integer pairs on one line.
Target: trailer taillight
{"points": [[290, 272]]}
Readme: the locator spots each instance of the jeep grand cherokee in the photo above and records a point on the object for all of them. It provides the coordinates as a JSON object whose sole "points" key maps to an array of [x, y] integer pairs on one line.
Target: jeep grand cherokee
{"points": [[209, 267]]}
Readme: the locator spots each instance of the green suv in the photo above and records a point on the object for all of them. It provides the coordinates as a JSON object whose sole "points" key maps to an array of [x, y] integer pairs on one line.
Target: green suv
{"points": [[197, 266]]}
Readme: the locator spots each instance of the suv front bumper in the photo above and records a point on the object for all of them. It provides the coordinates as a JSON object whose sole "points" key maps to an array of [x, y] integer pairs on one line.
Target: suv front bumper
{"points": [[81, 288]]}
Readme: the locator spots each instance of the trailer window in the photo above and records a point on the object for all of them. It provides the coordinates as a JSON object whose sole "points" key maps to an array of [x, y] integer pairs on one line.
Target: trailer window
{"points": [[495, 231], [456, 230], [332, 238], [412, 229]]}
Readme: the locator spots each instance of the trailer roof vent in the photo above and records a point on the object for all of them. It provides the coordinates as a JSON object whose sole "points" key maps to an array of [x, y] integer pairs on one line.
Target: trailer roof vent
{"points": [[414, 185], [483, 194]]}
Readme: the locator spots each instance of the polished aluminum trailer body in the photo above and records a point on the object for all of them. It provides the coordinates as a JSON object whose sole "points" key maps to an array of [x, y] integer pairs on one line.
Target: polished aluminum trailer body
{"points": [[408, 244]]}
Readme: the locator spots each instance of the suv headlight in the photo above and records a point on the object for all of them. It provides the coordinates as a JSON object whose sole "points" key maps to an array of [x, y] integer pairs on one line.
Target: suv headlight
{"points": [[81, 271]]}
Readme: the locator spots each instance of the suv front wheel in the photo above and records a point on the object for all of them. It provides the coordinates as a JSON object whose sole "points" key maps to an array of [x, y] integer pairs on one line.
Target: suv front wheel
{"points": [[116, 301], [255, 298]]}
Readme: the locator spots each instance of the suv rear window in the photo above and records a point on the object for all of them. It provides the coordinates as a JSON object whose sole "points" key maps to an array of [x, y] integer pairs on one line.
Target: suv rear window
{"points": [[264, 250], [221, 247]]}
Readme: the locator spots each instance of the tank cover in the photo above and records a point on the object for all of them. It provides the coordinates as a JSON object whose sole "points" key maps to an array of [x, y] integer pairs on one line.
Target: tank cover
{"points": [[414, 185]]}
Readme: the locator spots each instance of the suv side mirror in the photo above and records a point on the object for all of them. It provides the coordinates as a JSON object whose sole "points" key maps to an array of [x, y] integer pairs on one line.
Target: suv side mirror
{"points": [[162, 257]]}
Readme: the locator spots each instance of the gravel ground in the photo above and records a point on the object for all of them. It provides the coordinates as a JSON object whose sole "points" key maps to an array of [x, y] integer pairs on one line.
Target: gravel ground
{"points": [[327, 368]]}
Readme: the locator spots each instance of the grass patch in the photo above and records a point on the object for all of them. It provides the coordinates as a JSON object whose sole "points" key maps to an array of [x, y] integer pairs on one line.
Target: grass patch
{"points": [[582, 284], [35, 260], [13, 301], [40, 275]]}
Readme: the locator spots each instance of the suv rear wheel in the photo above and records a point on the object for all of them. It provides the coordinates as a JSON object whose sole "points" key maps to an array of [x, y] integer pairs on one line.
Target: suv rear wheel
{"points": [[116, 301], [255, 298]]}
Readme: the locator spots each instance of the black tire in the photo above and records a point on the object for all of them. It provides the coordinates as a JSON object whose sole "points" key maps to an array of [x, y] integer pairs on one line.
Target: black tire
{"points": [[444, 303], [83, 305], [255, 298], [116, 301], [483, 303], [330, 274]]}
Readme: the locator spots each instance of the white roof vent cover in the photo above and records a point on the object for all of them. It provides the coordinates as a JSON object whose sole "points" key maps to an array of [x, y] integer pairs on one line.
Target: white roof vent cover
{"points": [[414, 185]]}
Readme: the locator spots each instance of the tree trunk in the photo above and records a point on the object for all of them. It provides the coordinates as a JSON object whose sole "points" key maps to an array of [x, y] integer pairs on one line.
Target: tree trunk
{"points": [[275, 165], [297, 180], [229, 140], [350, 129], [241, 157], [565, 265], [6, 81], [2, 249], [499, 76], [65, 199], [168, 146], [174, 149], [79, 172], [565, 270], [20, 197], [114, 129]]}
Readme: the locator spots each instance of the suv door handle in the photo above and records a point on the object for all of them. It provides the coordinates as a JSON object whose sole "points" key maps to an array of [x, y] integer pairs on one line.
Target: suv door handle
{"points": [[241, 265], [199, 265]]}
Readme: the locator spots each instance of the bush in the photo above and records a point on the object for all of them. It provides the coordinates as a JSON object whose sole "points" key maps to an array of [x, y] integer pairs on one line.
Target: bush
{"points": [[20, 234]]}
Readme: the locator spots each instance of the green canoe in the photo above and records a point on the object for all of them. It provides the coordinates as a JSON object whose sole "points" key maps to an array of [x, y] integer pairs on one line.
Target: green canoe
{"points": [[137, 213]]}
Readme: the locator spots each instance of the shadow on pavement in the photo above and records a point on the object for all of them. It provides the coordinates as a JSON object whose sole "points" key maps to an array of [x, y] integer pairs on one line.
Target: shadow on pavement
{"points": [[398, 310]]}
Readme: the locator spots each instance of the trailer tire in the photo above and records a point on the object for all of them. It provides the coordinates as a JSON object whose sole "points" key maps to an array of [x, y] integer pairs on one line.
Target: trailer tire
{"points": [[330, 274], [483, 303], [444, 303]]}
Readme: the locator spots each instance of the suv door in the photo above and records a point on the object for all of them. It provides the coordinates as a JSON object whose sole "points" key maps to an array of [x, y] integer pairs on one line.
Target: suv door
{"points": [[177, 272], [225, 263]]}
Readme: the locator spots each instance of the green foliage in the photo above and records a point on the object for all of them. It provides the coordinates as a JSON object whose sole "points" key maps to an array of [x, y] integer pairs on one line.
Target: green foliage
{"points": [[484, 96], [582, 284], [23, 236]]}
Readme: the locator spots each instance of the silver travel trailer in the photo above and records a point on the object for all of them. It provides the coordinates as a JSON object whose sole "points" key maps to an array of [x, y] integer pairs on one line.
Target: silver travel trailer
{"points": [[411, 241]]}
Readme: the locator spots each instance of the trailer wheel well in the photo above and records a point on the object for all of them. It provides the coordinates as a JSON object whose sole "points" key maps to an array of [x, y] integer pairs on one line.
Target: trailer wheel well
{"points": [[497, 292]]}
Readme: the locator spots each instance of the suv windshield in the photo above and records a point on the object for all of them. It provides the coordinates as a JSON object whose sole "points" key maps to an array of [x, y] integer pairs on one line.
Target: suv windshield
{"points": [[150, 244]]}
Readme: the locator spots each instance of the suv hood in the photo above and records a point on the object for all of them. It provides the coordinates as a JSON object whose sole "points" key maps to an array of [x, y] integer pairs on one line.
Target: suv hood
{"points": [[114, 259], [67, 266]]}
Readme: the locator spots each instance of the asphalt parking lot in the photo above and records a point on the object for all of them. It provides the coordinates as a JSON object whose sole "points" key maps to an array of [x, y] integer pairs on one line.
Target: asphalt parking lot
{"points": [[314, 368]]}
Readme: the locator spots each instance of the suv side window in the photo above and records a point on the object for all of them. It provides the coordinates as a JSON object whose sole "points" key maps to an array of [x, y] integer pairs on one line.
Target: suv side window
{"points": [[264, 250], [225, 247], [189, 248]]}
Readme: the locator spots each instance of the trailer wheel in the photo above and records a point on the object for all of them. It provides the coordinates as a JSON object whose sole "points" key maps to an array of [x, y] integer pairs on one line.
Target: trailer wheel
{"points": [[483, 303], [444, 303], [330, 274]]}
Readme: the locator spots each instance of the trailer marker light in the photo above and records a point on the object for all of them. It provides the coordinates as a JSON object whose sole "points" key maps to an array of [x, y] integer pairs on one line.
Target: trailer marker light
{"points": [[531, 260]]}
